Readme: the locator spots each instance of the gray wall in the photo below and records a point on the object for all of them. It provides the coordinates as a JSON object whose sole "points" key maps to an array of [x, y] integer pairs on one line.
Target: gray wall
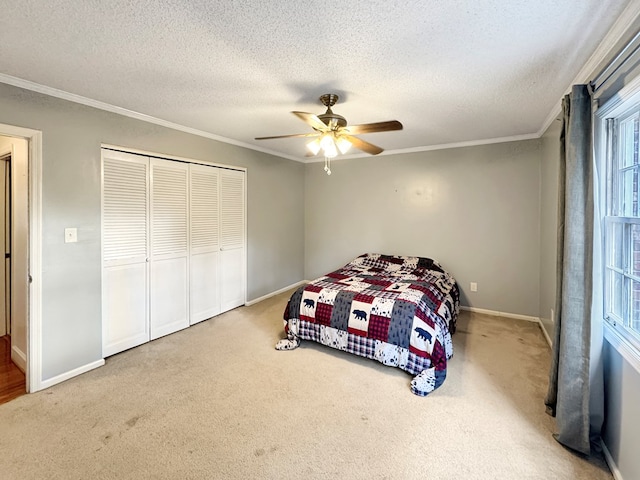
{"points": [[71, 273], [549, 168], [622, 428], [474, 209]]}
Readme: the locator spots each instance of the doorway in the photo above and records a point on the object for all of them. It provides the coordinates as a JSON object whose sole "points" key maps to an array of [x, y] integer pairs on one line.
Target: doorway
{"points": [[12, 379], [14, 269]]}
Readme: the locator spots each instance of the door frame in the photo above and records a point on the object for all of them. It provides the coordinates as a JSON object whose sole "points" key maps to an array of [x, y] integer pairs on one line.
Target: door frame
{"points": [[5, 156], [34, 291]]}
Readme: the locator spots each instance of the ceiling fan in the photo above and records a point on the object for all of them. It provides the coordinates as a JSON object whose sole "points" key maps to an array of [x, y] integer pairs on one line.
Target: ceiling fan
{"points": [[332, 134]]}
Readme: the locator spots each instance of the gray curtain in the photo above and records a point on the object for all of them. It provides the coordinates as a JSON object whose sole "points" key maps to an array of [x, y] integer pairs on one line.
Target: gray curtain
{"points": [[569, 397]]}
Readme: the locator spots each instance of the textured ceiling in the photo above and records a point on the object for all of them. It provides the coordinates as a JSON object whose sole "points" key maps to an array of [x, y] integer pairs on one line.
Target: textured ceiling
{"points": [[451, 71]]}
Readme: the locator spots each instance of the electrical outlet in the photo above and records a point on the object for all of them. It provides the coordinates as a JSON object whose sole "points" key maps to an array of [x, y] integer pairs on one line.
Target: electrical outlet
{"points": [[474, 287]]}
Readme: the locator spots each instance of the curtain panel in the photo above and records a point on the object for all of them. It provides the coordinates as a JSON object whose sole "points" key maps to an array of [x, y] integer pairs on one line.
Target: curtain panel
{"points": [[570, 397]]}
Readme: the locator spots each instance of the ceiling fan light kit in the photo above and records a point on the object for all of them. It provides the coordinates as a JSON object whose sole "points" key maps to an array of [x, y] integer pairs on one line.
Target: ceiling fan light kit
{"points": [[332, 135]]}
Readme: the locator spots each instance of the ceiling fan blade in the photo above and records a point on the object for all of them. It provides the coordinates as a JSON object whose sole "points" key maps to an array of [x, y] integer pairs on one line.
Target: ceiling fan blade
{"points": [[374, 127], [364, 146], [314, 134], [311, 119]]}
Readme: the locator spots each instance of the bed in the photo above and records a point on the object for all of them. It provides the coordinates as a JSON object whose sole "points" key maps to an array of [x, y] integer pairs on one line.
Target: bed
{"points": [[398, 310]]}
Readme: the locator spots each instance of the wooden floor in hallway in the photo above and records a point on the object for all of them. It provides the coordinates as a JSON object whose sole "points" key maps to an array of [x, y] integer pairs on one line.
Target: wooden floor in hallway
{"points": [[12, 380]]}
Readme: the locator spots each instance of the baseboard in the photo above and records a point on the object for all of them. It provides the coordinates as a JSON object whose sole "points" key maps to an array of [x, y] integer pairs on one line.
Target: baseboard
{"points": [[546, 335], [19, 358], [517, 316], [70, 374], [273, 294], [610, 462]]}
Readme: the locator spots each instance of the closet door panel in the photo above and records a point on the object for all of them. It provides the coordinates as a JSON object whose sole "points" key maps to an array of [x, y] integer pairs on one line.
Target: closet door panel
{"points": [[205, 290], [232, 239], [169, 286], [169, 305], [204, 252], [125, 312], [124, 306], [232, 209], [232, 278]]}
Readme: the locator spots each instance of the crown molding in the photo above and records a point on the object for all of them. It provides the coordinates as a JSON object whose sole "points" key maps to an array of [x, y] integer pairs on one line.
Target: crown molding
{"points": [[605, 49], [72, 97], [428, 148]]}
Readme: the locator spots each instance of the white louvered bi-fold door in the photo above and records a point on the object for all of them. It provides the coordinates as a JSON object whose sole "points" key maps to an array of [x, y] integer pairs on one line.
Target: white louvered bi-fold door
{"points": [[125, 282], [232, 239], [204, 258], [169, 256]]}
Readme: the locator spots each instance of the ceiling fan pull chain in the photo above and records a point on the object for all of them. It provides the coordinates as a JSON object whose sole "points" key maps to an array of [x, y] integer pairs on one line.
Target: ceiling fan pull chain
{"points": [[327, 165]]}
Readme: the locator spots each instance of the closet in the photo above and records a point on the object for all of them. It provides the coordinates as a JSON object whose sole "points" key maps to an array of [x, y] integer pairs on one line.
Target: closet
{"points": [[173, 246]]}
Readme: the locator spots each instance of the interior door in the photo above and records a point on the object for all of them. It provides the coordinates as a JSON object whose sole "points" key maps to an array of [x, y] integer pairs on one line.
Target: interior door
{"points": [[169, 259], [204, 255], [125, 310]]}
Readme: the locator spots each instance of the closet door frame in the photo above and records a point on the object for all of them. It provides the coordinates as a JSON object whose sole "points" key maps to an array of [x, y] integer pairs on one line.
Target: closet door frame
{"points": [[151, 155]]}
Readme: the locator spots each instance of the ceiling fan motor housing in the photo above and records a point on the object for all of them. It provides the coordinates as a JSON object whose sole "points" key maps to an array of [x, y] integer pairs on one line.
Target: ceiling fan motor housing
{"points": [[330, 119], [333, 120]]}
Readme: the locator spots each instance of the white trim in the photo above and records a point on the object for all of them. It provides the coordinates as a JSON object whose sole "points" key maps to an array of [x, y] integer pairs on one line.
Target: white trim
{"points": [[428, 148], [613, 36], [245, 241], [71, 373], [620, 101], [611, 462], [621, 26], [19, 358], [34, 319], [34, 348], [544, 332], [166, 156], [516, 316], [273, 294], [622, 345]]}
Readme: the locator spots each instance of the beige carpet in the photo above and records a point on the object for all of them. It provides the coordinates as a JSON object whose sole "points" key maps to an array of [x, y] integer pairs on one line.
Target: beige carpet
{"points": [[218, 401]]}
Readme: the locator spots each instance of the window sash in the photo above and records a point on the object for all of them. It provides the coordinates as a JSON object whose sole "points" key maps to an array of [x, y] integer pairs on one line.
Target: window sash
{"points": [[622, 226]]}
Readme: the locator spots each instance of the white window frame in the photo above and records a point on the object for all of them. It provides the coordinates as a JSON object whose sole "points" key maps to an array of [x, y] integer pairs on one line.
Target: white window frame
{"points": [[621, 106]]}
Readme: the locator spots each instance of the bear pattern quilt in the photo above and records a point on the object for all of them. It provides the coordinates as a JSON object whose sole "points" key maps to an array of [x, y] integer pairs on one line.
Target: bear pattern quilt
{"points": [[398, 310]]}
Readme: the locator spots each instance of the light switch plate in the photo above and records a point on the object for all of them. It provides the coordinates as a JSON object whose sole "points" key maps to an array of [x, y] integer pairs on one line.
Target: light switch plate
{"points": [[70, 235]]}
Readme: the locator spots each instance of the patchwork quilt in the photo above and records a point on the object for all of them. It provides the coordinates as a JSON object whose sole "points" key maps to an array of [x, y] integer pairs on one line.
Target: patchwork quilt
{"points": [[400, 311]]}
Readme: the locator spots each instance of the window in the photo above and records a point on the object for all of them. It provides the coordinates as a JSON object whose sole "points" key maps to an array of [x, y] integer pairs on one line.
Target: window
{"points": [[622, 223]]}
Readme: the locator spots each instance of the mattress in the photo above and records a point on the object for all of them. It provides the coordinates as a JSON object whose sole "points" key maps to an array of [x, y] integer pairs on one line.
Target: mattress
{"points": [[398, 310]]}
